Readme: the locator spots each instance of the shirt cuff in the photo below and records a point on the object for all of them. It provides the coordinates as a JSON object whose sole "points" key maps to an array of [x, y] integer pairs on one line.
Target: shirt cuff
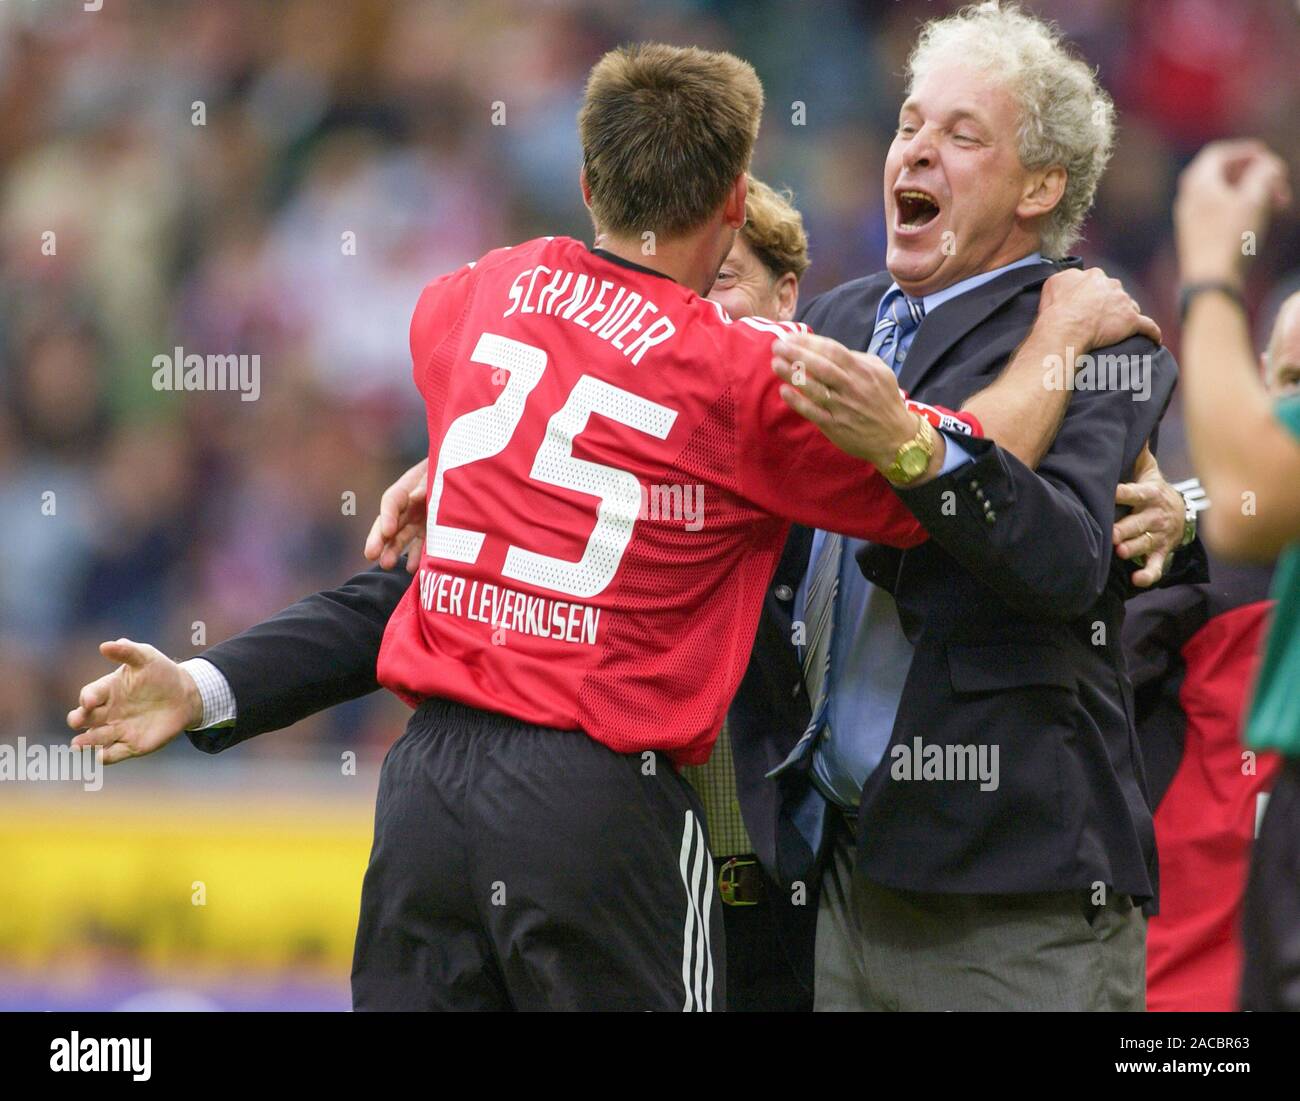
{"points": [[954, 456], [214, 691]]}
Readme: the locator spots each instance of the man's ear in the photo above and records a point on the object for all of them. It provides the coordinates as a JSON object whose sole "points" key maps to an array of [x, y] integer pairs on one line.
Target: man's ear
{"points": [[787, 297], [1042, 192], [734, 211], [586, 187]]}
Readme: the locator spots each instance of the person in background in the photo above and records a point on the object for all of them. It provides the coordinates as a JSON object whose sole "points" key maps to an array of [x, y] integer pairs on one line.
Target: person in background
{"points": [[1246, 447], [1193, 653]]}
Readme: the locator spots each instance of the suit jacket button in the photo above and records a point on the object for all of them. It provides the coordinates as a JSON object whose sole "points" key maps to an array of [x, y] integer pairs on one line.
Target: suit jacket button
{"points": [[990, 516], [797, 689], [783, 592]]}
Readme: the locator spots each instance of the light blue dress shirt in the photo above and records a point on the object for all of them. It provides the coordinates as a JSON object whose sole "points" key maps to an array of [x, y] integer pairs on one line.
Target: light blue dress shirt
{"points": [[870, 655]]}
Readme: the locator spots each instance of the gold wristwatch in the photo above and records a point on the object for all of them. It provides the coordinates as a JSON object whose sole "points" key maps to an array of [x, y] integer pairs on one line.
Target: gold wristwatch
{"points": [[913, 458]]}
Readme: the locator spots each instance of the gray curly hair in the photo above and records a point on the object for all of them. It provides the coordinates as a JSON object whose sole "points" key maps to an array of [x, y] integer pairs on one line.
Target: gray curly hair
{"points": [[1066, 117]]}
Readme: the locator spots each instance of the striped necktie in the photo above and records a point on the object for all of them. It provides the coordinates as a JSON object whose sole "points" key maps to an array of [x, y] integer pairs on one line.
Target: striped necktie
{"points": [[900, 318], [801, 821], [819, 616]]}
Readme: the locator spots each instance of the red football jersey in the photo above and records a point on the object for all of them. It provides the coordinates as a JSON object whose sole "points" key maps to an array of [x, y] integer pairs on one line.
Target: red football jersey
{"points": [[612, 474]]}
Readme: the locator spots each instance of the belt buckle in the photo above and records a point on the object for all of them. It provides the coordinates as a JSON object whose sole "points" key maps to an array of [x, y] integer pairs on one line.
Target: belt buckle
{"points": [[727, 882]]}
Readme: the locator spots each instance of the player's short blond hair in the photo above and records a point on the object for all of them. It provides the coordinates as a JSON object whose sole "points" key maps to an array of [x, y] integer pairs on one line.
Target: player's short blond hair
{"points": [[774, 230], [665, 131]]}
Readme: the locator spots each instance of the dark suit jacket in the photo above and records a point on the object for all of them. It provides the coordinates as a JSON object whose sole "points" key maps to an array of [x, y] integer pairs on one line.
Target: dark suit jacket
{"points": [[1014, 607], [316, 653]]}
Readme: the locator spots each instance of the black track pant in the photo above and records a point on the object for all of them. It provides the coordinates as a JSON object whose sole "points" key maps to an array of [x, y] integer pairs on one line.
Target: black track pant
{"points": [[519, 867]]}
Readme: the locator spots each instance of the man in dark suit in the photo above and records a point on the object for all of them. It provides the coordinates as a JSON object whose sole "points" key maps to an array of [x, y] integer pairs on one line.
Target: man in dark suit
{"points": [[996, 643], [970, 774]]}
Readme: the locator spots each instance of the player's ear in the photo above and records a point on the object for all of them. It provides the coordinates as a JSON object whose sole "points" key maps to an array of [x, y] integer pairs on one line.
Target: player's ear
{"points": [[586, 187], [733, 213]]}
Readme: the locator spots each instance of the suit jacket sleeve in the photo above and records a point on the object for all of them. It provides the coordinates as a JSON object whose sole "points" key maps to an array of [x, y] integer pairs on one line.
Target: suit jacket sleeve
{"points": [[1042, 540], [318, 652]]}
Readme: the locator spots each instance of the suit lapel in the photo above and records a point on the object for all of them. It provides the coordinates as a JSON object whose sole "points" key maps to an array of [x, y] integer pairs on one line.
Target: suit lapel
{"points": [[952, 320]]}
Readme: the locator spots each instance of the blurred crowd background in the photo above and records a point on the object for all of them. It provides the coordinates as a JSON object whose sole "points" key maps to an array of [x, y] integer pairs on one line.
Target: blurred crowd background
{"points": [[186, 173]]}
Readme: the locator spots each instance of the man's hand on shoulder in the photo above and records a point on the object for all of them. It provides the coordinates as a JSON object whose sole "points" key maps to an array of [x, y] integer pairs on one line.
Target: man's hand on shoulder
{"points": [[1078, 310], [1092, 310], [139, 707]]}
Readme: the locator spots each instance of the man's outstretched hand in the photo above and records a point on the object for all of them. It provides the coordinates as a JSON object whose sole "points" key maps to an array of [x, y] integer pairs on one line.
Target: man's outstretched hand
{"points": [[139, 707], [401, 519]]}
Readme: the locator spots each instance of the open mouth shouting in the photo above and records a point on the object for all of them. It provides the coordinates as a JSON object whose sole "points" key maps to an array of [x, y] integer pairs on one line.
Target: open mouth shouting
{"points": [[914, 209]]}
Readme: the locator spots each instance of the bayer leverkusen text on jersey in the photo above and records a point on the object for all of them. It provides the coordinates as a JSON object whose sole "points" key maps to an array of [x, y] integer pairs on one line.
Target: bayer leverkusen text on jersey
{"points": [[612, 474]]}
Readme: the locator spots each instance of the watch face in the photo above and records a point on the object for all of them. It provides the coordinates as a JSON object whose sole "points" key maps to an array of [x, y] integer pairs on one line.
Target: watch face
{"points": [[914, 462]]}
